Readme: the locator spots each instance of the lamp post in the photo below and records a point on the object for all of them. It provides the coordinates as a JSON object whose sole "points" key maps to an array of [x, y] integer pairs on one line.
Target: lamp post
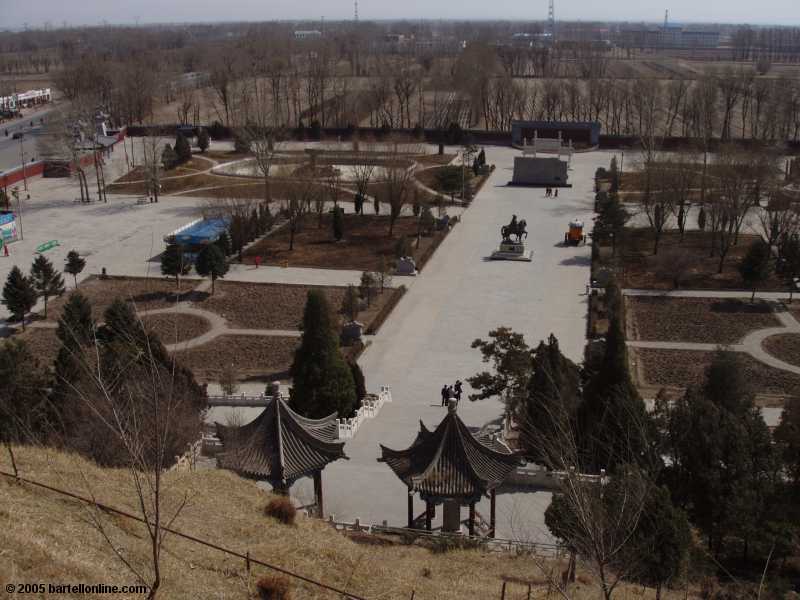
{"points": [[22, 158], [15, 193]]}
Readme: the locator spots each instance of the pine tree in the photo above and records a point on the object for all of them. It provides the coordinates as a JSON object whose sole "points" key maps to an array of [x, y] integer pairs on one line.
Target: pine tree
{"points": [[23, 400], [19, 295], [203, 139], [554, 396], [224, 243], [121, 323], [173, 263], [322, 382], [168, 157], [46, 280], [211, 263], [338, 223], [359, 382], [182, 148], [74, 265], [351, 303], [76, 326], [756, 266]]}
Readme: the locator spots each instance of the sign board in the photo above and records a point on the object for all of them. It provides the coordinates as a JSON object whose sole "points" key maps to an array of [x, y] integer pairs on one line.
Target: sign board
{"points": [[8, 227], [47, 246]]}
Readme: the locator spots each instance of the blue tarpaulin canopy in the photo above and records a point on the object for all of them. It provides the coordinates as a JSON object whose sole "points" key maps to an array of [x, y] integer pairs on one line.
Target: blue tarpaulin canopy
{"points": [[205, 231]]}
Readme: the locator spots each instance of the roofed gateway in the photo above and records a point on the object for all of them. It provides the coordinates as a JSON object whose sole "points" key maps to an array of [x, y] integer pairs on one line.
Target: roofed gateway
{"points": [[451, 466], [280, 447]]}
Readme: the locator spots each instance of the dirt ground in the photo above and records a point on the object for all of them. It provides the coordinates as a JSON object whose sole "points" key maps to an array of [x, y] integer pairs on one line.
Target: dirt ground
{"points": [[680, 368], [785, 347], [275, 306], [173, 328], [262, 358], [702, 320], [366, 240], [640, 269], [146, 294]]}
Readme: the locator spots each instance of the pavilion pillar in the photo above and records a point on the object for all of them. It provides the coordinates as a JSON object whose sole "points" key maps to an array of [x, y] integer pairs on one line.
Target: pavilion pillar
{"points": [[451, 516], [492, 513], [318, 494], [428, 514], [410, 509], [472, 518]]}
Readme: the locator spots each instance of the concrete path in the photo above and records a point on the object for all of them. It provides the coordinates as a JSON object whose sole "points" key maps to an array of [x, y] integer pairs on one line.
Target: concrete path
{"points": [[458, 297], [708, 294]]}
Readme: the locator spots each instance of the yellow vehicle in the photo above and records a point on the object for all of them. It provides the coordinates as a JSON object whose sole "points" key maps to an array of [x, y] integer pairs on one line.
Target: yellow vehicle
{"points": [[575, 236]]}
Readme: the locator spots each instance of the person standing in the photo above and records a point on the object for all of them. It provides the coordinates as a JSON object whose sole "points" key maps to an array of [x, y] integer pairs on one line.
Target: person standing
{"points": [[458, 390], [445, 395]]}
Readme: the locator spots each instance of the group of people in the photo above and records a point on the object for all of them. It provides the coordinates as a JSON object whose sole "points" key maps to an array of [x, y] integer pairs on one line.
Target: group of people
{"points": [[551, 193], [451, 392]]}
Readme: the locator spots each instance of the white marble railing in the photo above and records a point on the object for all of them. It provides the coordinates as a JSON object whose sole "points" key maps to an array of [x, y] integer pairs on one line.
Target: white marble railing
{"points": [[370, 407]]}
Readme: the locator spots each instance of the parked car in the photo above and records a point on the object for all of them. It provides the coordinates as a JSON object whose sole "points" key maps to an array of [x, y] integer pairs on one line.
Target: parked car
{"points": [[18, 135]]}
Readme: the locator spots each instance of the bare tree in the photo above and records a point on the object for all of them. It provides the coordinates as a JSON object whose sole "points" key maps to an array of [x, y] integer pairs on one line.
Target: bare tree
{"points": [[398, 178], [657, 201], [152, 150]]}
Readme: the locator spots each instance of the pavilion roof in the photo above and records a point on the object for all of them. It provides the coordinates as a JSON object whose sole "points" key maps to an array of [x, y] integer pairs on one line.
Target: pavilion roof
{"points": [[451, 462], [279, 445]]}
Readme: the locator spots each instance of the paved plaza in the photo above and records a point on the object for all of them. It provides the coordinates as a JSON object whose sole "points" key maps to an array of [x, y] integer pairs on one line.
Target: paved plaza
{"points": [[458, 297]]}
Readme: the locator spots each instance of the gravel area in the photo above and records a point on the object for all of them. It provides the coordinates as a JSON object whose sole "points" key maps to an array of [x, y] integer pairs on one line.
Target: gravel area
{"points": [[681, 368], [701, 320], [785, 346], [177, 327], [254, 357], [146, 294]]}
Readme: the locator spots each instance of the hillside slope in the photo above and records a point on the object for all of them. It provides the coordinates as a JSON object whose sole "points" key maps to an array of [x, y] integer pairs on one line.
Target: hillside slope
{"points": [[45, 537]]}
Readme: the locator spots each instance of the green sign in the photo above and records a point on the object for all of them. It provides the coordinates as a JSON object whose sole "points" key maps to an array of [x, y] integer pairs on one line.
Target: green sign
{"points": [[47, 246]]}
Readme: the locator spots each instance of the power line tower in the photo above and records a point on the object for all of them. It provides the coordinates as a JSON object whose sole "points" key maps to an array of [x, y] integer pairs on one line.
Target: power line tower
{"points": [[551, 18], [666, 18], [355, 10]]}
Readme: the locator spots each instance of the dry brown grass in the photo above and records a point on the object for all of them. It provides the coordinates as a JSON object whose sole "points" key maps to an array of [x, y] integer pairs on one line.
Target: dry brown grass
{"points": [[176, 327], [702, 320], [785, 347], [47, 537], [255, 357]]}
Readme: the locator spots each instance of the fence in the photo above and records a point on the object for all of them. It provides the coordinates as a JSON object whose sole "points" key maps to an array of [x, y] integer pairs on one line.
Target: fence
{"points": [[370, 407], [542, 549]]}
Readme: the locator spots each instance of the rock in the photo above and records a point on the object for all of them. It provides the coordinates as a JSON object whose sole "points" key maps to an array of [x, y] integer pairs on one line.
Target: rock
{"points": [[406, 266]]}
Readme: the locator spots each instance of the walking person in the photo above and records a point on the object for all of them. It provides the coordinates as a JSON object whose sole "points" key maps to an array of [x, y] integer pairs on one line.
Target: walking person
{"points": [[556, 193], [445, 395]]}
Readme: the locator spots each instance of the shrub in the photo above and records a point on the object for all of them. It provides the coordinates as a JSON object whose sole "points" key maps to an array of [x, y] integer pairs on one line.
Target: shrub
{"points": [[282, 509], [274, 588]]}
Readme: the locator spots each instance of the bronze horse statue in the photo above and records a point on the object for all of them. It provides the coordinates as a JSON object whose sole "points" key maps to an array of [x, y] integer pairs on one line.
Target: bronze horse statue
{"points": [[515, 228]]}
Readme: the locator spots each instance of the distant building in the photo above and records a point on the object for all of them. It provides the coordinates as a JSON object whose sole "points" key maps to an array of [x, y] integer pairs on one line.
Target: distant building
{"points": [[307, 34], [669, 36], [587, 133]]}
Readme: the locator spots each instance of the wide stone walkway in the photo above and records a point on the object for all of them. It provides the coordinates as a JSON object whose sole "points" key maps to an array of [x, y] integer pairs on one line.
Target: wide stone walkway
{"points": [[458, 297]]}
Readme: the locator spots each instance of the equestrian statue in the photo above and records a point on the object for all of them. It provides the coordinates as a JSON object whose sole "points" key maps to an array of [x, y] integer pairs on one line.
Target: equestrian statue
{"points": [[515, 228]]}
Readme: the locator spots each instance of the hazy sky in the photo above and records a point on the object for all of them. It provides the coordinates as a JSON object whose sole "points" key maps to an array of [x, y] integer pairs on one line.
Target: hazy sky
{"points": [[14, 13]]}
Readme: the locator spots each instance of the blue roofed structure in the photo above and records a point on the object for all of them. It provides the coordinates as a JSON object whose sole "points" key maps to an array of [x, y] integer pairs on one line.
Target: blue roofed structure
{"points": [[199, 233]]}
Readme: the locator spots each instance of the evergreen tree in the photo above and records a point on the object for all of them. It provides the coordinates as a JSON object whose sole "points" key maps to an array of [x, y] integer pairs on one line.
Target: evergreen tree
{"points": [[121, 323], [182, 148], [721, 464], [787, 439], [659, 547], [169, 159], [19, 295], [554, 395], [322, 383], [756, 266], [211, 263], [368, 286], [224, 243], [46, 280], [24, 411], [338, 223], [173, 263], [512, 362], [74, 265], [203, 139], [75, 326], [351, 304], [701, 218], [613, 425], [359, 382]]}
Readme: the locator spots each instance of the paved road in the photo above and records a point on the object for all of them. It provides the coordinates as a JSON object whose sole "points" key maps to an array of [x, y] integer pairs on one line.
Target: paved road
{"points": [[10, 149], [458, 297]]}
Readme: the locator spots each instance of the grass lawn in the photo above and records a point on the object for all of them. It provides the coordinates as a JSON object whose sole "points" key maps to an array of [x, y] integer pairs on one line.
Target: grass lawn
{"points": [[702, 320]]}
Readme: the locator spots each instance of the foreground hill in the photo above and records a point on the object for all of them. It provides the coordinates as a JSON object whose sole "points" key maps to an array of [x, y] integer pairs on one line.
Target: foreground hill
{"points": [[47, 537]]}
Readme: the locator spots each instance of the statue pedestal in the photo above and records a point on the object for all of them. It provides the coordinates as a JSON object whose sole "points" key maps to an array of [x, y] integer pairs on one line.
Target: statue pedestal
{"points": [[512, 251]]}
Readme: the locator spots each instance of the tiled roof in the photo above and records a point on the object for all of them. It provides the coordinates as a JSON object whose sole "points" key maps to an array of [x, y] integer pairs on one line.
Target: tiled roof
{"points": [[451, 462], [279, 445]]}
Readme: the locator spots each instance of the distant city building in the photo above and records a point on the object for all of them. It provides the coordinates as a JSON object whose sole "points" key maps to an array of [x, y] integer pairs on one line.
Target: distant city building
{"points": [[307, 34], [25, 99], [576, 132], [669, 36]]}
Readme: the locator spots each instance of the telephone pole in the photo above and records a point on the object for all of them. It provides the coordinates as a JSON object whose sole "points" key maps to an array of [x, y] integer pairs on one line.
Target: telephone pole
{"points": [[551, 19]]}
